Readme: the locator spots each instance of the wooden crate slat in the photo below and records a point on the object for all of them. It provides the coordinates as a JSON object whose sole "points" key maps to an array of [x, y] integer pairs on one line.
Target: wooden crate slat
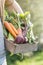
{"points": [[24, 48], [20, 48]]}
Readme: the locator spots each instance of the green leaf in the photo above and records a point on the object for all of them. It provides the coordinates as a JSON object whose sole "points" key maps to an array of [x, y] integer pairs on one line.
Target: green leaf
{"points": [[10, 37], [13, 14], [11, 54], [5, 32], [27, 13], [21, 15], [5, 13]]}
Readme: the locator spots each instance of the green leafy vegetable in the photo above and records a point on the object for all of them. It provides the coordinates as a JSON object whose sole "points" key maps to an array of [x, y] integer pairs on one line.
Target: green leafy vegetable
{"points": [[5, 32], [20, 21], [10, 37]]}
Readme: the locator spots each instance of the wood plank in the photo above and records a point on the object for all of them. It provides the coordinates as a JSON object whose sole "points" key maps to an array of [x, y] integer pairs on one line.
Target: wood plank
{"points": [[24, 48], [20, 48]]}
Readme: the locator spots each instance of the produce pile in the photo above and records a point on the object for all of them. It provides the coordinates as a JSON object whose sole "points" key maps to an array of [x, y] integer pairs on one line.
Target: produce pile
{"points": [[18, 28]]}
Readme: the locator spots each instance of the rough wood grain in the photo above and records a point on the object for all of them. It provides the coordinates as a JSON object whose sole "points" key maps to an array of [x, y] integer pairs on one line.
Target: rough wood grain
{"points": [[20, 48]]}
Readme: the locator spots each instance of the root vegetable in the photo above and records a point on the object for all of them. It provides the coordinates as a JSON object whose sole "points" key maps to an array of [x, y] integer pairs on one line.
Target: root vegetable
{"points": [[14, 29], [8, 27]]}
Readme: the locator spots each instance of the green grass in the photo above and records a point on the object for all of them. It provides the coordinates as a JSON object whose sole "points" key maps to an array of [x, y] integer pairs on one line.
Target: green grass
{"points": [[35, 59]]}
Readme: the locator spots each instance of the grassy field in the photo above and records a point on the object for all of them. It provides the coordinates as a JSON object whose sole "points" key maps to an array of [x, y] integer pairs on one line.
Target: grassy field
{"points": [[35, 59]]}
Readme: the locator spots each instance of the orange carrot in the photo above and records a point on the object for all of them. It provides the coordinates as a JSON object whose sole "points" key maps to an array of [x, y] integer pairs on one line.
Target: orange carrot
{"points": [[14, 29], [19, 31], [8, 27]]}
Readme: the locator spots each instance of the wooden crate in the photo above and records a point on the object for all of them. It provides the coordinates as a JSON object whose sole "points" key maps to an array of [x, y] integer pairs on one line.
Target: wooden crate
{"points": [[20, 48]]}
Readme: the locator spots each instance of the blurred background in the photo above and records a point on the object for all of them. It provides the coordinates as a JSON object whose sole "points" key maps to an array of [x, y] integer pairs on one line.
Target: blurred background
{"points": [[36, 9]]}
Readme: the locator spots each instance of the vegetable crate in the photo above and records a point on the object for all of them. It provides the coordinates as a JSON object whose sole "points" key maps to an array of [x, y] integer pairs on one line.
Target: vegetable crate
{"points": [[11, 46], [20, 48]]}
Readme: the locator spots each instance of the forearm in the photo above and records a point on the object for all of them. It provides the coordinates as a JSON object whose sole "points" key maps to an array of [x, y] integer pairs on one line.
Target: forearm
{"points": [[17, 7], [13, 5]]}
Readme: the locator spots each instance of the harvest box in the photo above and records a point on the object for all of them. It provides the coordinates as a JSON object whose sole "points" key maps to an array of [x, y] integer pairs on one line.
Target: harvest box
{"points": [[20, 48]]}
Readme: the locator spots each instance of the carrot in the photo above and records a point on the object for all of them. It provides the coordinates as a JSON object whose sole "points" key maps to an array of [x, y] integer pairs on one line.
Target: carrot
{"points": [[8, 27], [19, 31], [14, 29]]}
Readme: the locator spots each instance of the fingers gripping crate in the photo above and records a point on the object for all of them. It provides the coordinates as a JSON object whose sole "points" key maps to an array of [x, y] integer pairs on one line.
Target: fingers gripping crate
{"points": [[10, 45]]}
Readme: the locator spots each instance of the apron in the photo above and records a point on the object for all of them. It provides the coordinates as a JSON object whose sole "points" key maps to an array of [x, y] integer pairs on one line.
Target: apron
{"points": [[2, 49]]}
